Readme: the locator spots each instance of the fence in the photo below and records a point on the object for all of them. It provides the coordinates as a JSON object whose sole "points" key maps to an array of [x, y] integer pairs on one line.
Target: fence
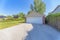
{"points": [[54, 21]]}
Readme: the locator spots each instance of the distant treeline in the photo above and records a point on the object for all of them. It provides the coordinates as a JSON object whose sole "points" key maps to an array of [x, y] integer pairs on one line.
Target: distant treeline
{"points": [[16, 17]]}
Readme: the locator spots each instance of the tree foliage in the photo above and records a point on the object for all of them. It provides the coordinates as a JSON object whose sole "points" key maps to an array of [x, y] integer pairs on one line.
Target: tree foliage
{"points": [[31, 6], [22, 15], [39, 6], [9, 17]]}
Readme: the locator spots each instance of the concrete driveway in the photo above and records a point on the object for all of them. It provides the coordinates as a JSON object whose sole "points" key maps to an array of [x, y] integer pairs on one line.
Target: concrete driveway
{"points": [[32, 31], [43, 32], [17, 32]]}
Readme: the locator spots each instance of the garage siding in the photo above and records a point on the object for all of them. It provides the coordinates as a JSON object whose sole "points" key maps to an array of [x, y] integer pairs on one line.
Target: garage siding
{"points": [[36, 20]]}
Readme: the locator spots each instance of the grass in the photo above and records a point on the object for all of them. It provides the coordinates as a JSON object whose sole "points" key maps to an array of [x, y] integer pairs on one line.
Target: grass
{"points": [[9, 24]]}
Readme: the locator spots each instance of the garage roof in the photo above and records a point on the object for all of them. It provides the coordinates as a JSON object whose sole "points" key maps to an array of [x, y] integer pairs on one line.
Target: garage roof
{"points": [[34, 14]]}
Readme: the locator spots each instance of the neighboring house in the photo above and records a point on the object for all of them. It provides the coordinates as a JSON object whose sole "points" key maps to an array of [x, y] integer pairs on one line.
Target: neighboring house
{"points": [[34, 17], [2, 17], [55, 19], [56, 10]]}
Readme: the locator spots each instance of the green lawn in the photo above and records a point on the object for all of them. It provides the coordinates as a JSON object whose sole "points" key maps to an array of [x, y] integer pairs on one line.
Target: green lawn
{"points": [[8, 24]]}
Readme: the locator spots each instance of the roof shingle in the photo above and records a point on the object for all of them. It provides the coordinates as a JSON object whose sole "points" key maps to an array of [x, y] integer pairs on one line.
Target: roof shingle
{"points": [[34, 14]]}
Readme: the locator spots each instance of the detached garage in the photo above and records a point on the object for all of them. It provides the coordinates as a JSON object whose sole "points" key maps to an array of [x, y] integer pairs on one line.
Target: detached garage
{"points": [[34, 17]]}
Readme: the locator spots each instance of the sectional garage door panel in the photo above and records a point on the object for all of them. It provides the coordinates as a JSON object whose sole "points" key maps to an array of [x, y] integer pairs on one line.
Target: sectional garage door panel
{"points": [[37, 20]]}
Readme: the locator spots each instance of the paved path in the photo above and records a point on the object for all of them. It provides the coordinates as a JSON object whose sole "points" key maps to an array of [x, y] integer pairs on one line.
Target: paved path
{"points": [[18, 32], [37, 32], [43, 32]]}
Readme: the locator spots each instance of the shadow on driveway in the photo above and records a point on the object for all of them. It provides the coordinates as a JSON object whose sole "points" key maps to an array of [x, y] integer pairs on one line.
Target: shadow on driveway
{"points": [[43, 32]]}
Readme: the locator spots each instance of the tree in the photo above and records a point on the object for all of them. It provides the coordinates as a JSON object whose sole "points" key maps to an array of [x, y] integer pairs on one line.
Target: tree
{"points": [[39, 6], [22, 15], [9, 17], [32, 8], [15, 16]]}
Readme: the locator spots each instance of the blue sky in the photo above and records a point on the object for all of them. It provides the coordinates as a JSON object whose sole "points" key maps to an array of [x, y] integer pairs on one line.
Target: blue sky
{"points": [[10, 7]]}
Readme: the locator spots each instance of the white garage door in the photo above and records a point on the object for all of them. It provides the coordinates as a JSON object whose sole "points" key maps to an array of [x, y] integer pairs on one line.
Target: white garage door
{"points": [[36, 20]]}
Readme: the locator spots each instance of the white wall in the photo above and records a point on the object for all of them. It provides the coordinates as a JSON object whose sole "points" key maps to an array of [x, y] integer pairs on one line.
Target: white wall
{"points": [[37, 20]]}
